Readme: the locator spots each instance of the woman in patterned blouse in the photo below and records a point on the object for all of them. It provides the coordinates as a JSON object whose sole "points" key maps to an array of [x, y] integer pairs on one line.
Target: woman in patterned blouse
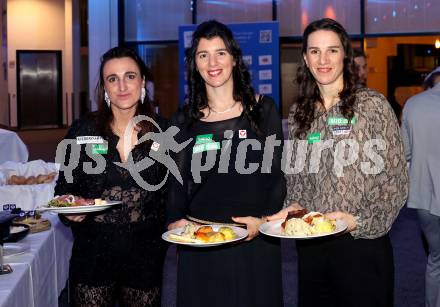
{"points": [[353, 169]]}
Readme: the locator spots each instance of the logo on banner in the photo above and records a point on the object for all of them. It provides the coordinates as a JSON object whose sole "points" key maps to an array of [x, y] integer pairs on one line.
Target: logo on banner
{"points": [[265, 60], [265, 36], [247, 59], [265, 89], [265, 74]]}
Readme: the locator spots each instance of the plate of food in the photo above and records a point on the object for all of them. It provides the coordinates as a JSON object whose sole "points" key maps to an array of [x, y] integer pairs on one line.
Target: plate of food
{"points": [[205, 235], [303, 225], [70, 204]]}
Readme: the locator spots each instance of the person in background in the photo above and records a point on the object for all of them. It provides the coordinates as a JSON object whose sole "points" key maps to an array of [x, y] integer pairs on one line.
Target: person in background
{"points": [[355, 269], [420, 126], [361, 65], [223, 110], [117, 254]]}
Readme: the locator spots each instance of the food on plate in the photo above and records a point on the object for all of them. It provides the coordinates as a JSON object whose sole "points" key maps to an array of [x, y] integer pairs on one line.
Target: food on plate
{"points": [[297, 227], [99, 201], [36, 223], [301, 223], [214, 237], [40, 179], [204, 229], [17, 229], [70, 201], [203, 234]]}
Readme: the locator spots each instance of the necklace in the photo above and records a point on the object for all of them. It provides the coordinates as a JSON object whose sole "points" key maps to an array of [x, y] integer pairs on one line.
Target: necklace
{"points": [[225, 111]]}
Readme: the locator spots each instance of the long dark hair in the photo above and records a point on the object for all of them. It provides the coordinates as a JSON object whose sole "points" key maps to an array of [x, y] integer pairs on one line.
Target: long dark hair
{"points": [[243, 91], [105, 114], [309, 94]]}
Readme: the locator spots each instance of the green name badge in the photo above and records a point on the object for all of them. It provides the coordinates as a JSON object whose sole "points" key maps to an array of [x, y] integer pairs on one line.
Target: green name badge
{"points": [[205, 147], [99, 149], [333, 121], [313, 137], [204, 138]]}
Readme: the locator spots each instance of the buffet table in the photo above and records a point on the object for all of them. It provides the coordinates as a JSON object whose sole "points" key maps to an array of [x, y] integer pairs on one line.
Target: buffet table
{"points": [[13, 148], [40, 274]]}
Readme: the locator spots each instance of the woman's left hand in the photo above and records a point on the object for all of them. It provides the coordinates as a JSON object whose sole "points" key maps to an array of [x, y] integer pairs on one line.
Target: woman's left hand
{"points": [[252, 225], [349, 219]]}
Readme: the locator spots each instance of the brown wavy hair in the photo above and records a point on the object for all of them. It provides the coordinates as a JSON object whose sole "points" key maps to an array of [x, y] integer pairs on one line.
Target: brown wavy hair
{"points": [[309, 96], [105, 115]]}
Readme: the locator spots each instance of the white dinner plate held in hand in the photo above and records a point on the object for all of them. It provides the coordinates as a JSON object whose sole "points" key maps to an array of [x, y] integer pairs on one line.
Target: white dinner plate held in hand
{"points": [[80, 209], [274, 229]]}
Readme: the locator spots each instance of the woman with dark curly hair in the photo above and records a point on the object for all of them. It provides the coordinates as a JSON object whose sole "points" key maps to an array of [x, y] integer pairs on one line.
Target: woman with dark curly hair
{"points": [[355, 171], [117, 254], [222, 115]]}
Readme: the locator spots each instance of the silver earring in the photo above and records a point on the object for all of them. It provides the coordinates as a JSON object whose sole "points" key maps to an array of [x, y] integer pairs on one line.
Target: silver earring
{"points": [[143, 94], [107, 99]]}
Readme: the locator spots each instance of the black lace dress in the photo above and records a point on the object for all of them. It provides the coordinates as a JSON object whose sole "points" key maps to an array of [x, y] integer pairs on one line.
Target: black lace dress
{"points": [[117, 254], [247, 274]]}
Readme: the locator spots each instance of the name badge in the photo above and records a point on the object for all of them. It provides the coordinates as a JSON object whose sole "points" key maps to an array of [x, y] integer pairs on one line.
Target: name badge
{"points": [[93, 139], [204, 138], [100, 148], [205, 147]]}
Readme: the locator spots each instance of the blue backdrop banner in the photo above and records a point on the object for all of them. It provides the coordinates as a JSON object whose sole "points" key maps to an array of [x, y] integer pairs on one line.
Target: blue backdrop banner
{"points": [[259, 43]]}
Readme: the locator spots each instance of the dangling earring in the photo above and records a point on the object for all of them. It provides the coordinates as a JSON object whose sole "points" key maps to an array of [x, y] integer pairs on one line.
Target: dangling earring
{"points": [[107, 99], [143, 94]]}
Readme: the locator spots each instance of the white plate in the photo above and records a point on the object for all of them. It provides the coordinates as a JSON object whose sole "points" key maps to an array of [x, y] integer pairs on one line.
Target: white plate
{"points": [[240, 232], [273, 229], [80, 209], [15, 249]]}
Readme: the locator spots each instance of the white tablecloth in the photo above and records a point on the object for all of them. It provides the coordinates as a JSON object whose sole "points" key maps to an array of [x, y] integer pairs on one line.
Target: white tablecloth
{"points": [[12, 147], [26, 197], [39, 275]]}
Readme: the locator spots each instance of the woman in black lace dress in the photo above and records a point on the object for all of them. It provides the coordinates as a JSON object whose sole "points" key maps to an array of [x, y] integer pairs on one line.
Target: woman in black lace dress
{"points": [[223, 115], [117, 254]]}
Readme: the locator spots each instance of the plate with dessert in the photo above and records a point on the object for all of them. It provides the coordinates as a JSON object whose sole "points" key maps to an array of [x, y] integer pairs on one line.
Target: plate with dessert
{"points": [[70, 204], [205, 235], [301, 224]]}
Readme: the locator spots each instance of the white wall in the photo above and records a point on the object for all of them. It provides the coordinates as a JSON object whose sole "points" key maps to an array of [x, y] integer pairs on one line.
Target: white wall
{"points": [[103, 35], [40, 25]]}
